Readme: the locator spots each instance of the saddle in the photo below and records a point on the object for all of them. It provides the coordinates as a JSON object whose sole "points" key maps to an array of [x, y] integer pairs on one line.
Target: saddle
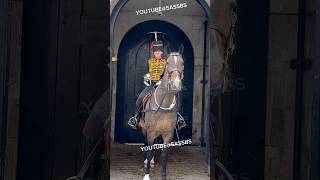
{"points": [[153, 107], [145, 100]]}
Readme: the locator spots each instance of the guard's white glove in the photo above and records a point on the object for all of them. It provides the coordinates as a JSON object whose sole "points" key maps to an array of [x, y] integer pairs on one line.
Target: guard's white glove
{"points": [[146, 79]]}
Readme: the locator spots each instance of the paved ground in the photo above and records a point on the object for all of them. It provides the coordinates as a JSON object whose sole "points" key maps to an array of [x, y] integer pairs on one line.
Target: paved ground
{"points": [[185, 163]]}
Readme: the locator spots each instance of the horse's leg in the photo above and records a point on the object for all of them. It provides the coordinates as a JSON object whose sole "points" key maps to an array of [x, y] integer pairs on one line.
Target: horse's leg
{"points": [[145, 157], [164, 160], [146, 161], [145, 154], [149, 156], [164, 154], [144, 132]]}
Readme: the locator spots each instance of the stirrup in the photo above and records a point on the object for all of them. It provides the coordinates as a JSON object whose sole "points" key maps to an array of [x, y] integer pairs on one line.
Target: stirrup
{"points": [[133, 121], [180, 122]]}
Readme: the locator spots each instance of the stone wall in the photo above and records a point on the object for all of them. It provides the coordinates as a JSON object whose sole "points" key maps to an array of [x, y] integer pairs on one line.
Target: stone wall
{"points": [[283, 27], [114, 2]]}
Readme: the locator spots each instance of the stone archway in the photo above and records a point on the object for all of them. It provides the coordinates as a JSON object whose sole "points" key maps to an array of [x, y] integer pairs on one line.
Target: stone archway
{"points": [[118, 4]]}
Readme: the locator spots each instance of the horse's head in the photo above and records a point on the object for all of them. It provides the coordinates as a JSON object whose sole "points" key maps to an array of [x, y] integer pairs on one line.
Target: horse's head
{"points": [[174, 70]]}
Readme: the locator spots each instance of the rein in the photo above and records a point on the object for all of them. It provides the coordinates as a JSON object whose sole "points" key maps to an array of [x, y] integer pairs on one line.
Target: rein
{"points": [[173, 103]]}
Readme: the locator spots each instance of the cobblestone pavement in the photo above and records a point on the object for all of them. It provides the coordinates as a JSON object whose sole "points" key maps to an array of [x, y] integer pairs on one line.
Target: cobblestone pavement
{"points": [[185, 163]]}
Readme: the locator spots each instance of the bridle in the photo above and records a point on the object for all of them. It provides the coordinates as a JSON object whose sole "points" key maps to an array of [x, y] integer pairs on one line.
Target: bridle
{"points": [[175, 69]]}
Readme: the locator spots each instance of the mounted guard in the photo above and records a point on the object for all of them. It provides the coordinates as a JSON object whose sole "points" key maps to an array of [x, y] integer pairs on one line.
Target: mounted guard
{"points": [[161, 117], [152, 79]]}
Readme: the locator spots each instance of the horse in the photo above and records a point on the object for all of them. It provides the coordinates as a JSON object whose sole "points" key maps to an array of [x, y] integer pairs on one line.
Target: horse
{"points": [[161, 119]]}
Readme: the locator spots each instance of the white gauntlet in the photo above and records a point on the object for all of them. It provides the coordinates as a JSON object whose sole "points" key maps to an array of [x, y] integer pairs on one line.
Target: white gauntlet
{"points": [[146, 79]]}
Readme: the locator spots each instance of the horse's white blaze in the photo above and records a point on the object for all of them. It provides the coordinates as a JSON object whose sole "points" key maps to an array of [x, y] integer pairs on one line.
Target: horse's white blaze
{"points": [[177, 82], [175, 59], [146, 177]]}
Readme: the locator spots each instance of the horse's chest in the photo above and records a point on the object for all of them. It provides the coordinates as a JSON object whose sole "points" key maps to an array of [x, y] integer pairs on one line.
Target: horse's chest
{"points": [[165, 103]]}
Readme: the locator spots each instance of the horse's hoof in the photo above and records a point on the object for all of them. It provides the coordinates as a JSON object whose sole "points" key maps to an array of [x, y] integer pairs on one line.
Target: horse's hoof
{"points": [[146, 177], [164, 176]]}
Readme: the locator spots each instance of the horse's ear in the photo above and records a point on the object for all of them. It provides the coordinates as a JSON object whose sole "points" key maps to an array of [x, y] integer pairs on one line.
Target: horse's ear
{"points": [[167, 47], [181, 49]]}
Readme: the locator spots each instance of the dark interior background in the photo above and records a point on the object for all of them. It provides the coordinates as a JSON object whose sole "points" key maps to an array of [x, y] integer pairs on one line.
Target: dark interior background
{"points": [[243, 111], [64, 71], [249, 104]]}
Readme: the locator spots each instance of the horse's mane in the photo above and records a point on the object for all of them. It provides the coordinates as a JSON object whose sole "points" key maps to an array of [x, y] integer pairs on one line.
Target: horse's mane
{"points": [[171, 55]]}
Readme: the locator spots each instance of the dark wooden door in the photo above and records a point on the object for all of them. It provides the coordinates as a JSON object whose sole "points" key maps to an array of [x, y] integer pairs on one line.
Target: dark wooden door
{"points": [[133, 64]]}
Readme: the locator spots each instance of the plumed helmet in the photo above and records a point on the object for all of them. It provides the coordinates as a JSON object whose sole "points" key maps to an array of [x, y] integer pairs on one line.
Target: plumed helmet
{"points": [[157, 46]]}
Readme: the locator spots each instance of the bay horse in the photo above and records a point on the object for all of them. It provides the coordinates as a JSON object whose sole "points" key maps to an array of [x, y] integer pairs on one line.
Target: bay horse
{"points": [[161, 111]]}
